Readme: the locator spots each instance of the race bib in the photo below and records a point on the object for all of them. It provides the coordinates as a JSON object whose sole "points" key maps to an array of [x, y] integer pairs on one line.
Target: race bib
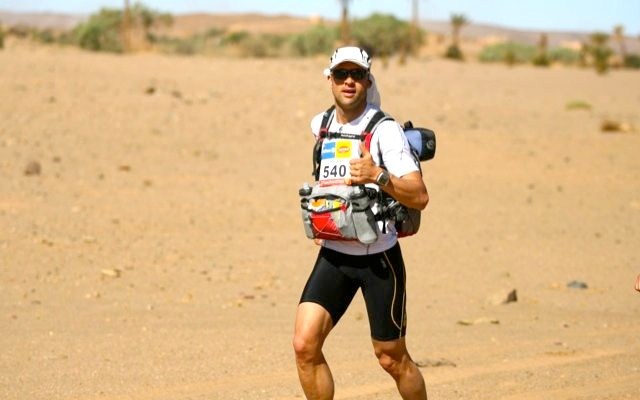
{"points": [[334, 162]]}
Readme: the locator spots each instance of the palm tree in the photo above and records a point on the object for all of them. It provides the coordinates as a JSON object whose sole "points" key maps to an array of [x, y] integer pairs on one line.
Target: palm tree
{"points": [[415, 23], [126, 27], [412, 45], [457, 22], [344, 23], [542, 59], [600, 51], [618, 35]]}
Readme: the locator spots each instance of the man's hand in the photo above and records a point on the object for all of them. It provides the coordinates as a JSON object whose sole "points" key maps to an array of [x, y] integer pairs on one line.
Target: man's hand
{"points": [[638, 283], [363, 169]]}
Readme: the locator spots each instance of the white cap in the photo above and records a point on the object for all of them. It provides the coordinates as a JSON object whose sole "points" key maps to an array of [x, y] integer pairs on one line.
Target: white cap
{"points": [[360, 57], [352, 54]]}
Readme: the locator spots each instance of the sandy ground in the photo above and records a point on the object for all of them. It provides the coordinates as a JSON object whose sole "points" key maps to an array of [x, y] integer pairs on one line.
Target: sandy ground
{"points": [[159, 253]]}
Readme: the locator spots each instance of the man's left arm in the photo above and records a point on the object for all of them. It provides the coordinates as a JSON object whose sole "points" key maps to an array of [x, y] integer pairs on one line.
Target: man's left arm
{"points": [[408, 189]]}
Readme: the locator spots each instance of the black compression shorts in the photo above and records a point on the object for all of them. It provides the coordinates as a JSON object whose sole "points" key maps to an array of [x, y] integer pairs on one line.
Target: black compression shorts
{"points": [[336, 277]]}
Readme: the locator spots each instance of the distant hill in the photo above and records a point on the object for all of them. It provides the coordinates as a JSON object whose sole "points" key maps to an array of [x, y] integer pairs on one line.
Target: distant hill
{"points": [[483, 31], [42, 20], [187, 24]]}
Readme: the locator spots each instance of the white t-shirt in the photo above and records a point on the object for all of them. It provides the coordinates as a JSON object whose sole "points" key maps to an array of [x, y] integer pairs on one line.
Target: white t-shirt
{"points": [[389, 141]]}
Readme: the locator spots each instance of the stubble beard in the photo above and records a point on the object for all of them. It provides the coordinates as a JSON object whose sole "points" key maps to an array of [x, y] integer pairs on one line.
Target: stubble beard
{"points": [[357, 103]]}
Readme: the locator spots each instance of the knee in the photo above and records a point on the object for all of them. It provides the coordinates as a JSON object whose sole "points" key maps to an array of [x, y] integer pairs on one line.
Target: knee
{"points": [[389, 363], [306, 348]]}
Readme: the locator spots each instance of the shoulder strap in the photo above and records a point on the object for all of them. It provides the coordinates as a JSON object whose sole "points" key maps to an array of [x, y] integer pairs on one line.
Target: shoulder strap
{"points": [[326, 118], [317, 148], [379, 117]]}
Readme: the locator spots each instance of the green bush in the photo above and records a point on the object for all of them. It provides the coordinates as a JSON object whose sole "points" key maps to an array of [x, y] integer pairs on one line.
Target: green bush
{"points": [[601, 56], [265, 45], [578, 105], [203, 43], [383, 35], [564, 55], [44, 36], [541, 60], [173, 45], [632, 61], [214, 33], [1, 37], [508, 52], [101, 32], [317, 40], [600, 51], [235, 38], [453, 52]]}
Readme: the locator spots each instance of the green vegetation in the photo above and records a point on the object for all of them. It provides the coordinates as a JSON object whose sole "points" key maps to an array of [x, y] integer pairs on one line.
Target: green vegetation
{"points": [[317, 40], [632, 61], [383, 35], [266, 45], [508, 52], [105, 31], [577, 105], [101, 32], [618, 36], [564, 56], [453, 51], [512, 53], [600, 51], [541, 59], [202, 43]]}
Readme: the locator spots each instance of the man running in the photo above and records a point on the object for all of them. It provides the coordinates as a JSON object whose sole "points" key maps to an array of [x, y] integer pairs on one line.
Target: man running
{"points": [[343, 267]]}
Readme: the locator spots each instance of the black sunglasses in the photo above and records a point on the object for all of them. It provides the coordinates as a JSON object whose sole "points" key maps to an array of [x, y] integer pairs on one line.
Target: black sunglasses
{"points": [[357, 74]]}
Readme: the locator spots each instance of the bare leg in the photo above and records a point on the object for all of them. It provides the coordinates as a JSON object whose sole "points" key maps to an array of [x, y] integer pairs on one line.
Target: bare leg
{"points": [[395, 359], [313, 324]]}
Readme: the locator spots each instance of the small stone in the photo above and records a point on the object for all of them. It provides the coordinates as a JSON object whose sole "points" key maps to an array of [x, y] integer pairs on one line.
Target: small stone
{"points": [[111, 272], [504, 297], [481, 320], [435, 363], [577, 285], [32, 168], [89, 239]]}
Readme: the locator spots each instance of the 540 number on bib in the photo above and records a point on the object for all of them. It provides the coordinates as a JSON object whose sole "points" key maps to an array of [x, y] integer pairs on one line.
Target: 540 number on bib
{"points": [[334, 171]]}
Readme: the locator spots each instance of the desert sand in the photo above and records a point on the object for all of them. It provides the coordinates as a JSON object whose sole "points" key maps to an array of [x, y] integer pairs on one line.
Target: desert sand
{"points": [[151, 246]]}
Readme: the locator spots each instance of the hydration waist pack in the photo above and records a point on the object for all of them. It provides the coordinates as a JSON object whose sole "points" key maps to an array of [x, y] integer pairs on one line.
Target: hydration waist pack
{"points": [[338, 213], [344, 212]]}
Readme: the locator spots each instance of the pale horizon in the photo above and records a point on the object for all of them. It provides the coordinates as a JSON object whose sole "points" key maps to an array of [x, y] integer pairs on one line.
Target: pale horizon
{"points": [[567, 16]]}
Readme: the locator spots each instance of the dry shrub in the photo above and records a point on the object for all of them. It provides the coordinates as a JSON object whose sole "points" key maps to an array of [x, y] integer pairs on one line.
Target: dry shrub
{"points": [[578, 105], [611, 126]]}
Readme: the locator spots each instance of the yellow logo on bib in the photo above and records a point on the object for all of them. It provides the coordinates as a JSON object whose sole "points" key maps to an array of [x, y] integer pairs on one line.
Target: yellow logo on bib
{"points": [[343, 149]]}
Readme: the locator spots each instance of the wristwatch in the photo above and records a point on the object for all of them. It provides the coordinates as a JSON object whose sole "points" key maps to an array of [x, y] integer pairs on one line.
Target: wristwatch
{"points": [[383, 178]]}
